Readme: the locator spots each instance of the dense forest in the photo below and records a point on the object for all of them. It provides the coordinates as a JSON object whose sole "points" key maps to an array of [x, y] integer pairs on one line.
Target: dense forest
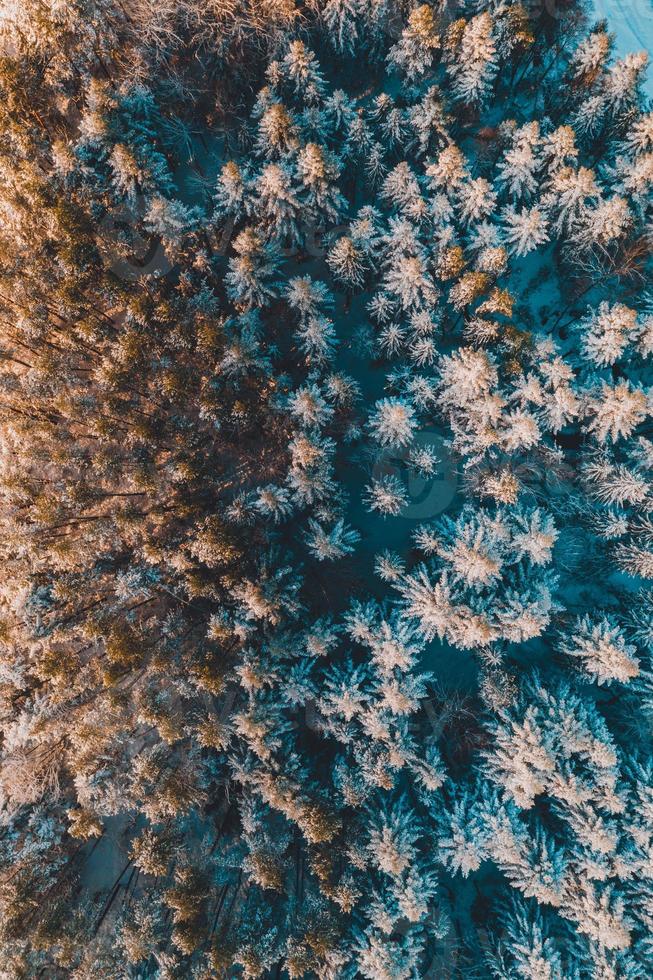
{"points": [[326, 618]]}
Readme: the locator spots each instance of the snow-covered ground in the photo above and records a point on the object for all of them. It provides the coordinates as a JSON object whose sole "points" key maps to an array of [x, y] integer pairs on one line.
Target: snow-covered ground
{"points": [[631, 21]]}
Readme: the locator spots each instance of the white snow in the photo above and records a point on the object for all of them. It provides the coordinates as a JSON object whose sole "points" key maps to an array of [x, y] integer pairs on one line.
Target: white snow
{"points": [[631, 21]]}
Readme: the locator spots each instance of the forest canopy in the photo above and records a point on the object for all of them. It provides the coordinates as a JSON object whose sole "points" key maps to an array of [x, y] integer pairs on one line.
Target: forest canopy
{"points": [[326, 618]]}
